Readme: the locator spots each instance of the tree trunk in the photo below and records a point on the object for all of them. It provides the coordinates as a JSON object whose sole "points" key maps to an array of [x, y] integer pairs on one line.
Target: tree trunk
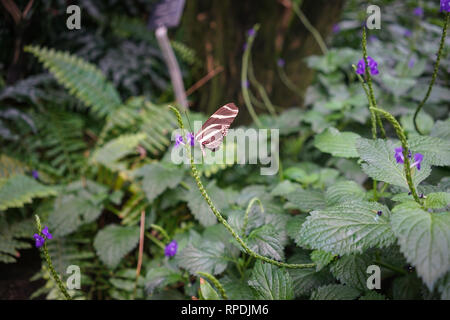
{"points": [[216, 30]]}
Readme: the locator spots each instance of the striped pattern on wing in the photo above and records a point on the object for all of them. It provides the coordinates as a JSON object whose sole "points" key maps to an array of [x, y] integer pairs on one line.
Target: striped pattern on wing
{"points": [[216, 127]]}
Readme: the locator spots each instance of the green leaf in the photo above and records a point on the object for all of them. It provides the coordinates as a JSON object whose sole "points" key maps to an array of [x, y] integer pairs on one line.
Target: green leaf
{"points": [[406, 288], [306, 280], [351, 270], [424, 239], [344, 191], [285, 187], [18, 190], [441, 129], [435, 150], [347, 228], [113, 242], [335, 292], [159, 277], [321, 258], [110, 154], [236, 288], [80, 202], [265, 241], [209, 257], [270, 282], [207, 291], [157, 177], [397, 86], [437, 200], [339, 144], [307, 200], [82, 79], [444, 287], [380, 164], [424, 122]]}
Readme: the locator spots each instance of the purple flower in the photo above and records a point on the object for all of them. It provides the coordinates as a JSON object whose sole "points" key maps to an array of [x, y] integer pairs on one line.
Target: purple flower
{"points": [[407, 33], [399, 155], [372, 38], [178, 140], [35, 174], [281, 63], [47, 234], [39, 240], [445, 5], [336, 28], [418, 157], [418, 12], [191, 138], [379, 213], [411, 63], [373, 66], [251, 32], [171, 249]]}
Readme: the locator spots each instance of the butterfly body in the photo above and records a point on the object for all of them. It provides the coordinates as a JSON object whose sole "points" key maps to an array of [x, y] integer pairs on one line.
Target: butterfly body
{"points": [[216, 127]]}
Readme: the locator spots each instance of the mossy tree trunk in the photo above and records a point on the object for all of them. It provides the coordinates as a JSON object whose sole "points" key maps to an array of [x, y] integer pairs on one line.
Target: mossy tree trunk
{"points": [[216, 30]]}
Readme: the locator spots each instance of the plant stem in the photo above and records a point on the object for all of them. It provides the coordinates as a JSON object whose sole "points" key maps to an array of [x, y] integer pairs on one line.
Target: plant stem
{"points": [[250, 205], [222, 220], [401, 135], [434, 76], [216, 283]]}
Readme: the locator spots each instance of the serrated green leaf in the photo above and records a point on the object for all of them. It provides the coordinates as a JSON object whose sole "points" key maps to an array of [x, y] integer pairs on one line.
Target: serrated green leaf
{"points": [[435, 150], [339, 144], [236, 288], [265, 241], [444, 287], [406, 288], [380, 164], [113, 242], [160, 277], [335, 292], [18, 190], [436, 200], [344, 191], [270, 282], [157, 177], [351, 270], [441, 129], [307, 200], [347, 228], [321, 258], [209, 257], [424, 239]]}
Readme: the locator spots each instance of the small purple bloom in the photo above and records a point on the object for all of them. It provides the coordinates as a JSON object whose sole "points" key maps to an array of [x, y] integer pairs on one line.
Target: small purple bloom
{"points": [[373, 66], [445, 5], [39, 240], [336, 28], [411, 63], [418, 12], [372, 38], [399, 155], [418, 157], [35, 174], [47, 234], [251, 32], [191, 138], [171, 249], [281, 63], [407, 33], [178, 140], [379, 213]]}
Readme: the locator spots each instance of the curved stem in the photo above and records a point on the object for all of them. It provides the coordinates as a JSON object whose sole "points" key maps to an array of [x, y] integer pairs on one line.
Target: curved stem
{"points": [[401, 135], [262, 92], [310, 27], [250, 205], [222, 220], [216, 283], [434, 76], [244, 81]]}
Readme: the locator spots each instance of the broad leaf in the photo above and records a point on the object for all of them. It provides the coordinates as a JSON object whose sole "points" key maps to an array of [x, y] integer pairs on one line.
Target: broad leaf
{"points": [[347, 228], [270, 282], [335, 292], [321, 258], [113, 242], [339, 144], [351, 270], [307, 200], [209, 257], [266, 242], [379, 163], [343, 192], [435, 150], [424, 239]]}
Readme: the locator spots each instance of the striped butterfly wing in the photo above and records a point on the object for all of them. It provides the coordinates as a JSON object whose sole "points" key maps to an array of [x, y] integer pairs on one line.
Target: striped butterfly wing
{"points": [[216, 127]]}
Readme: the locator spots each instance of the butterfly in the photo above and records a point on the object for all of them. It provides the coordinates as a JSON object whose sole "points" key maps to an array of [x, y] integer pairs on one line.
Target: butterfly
{"points": [[216, 127]]}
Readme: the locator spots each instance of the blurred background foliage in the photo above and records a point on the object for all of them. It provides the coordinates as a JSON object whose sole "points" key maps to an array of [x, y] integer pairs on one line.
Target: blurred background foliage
{"points": [[85, 135]]}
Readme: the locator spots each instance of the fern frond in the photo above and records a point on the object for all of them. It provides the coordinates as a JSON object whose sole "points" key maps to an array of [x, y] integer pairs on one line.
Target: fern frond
{"points": [[10, 166], [18, 190], [10, 238], [82, 79]]}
